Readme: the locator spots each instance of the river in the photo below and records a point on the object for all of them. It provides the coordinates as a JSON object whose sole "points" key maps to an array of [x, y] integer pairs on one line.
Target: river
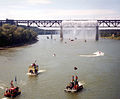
{"points": [[100, 74]]}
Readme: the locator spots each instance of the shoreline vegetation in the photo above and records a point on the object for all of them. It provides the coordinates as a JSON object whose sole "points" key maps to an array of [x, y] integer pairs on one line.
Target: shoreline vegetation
{"points": [[14, 36], [110, 37], [110, 34]]}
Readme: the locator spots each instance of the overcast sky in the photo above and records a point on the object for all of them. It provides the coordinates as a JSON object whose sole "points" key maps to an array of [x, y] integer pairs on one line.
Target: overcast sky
{"points": [[59, 9]]}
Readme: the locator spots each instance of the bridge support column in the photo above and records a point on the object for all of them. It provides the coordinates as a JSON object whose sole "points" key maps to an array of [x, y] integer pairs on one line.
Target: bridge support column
{"points": [[28, 24], [61, 32], [97, 33], [51, 35]]}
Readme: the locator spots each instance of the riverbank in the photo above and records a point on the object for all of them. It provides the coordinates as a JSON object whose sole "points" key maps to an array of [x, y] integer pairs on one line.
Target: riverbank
{"points": [[110, 37], [18, 45]]}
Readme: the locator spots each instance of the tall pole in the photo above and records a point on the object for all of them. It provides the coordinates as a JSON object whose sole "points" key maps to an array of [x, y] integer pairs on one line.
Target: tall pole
{"points": [[51, 35], [97, 33], [61, 32]]}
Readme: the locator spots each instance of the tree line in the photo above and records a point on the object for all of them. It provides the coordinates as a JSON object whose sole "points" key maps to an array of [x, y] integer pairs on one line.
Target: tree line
{"points": [[108, 33], [111, 34], [14, 35]]}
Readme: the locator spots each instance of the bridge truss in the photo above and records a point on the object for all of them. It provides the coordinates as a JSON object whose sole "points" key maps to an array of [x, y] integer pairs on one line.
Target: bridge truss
{"points": [[109, 23], [58, 23]]}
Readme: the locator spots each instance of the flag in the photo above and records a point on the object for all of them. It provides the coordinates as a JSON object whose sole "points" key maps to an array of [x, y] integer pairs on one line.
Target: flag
{"points": [[15, 79]]}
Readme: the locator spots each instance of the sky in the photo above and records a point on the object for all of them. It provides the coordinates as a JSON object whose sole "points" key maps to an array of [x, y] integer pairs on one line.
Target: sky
{"points": [[59, 9]]}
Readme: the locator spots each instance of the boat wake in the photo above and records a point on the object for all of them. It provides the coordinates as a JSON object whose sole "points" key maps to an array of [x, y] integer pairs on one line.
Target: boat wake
{"points": [[2, 86], [95, 54], [82, 82], [85, 55], [40, 71], [5, 98], [23, 83]]}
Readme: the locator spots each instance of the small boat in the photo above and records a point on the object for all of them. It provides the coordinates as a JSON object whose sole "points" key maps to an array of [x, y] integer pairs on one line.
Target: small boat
{"points": [[98, 53], [71, 40], [74, 85], [12, 92], [33, 70], [78, 88]]}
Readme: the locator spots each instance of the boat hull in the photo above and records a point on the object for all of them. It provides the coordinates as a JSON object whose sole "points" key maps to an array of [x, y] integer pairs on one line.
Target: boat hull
{"points": [[74, 90], [12, 95]]}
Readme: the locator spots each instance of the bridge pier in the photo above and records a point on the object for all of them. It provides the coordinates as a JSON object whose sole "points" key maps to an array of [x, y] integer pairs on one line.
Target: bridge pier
{"points": [[61, 32], [51, 35], [97, 33]]}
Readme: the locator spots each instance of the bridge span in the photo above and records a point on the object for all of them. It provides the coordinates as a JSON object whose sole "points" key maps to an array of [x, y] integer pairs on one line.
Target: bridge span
{"points": [[58, 24]]}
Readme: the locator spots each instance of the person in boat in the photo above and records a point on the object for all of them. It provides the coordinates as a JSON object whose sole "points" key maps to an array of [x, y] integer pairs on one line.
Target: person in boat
{"points": [[36, 68], [33, 65], [12, 86], [17, 88], [71, 85], [76, 82], [7, 90], [72, 82], [36, 71], [31, 71]]}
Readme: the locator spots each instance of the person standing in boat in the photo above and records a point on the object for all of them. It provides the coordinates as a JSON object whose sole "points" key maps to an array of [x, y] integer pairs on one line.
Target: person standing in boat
{"points": [[72, 82], [33, 64], [6, 90], [12, 86], [72, 78], [76, 82]]}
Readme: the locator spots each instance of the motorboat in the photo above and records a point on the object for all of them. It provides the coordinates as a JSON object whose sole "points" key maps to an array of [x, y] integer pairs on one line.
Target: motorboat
{"points": [[12, 92], [98, 53]]}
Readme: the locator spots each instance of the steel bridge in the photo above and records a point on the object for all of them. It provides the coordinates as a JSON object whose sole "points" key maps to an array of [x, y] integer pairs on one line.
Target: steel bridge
{"points": [[38, 23], [58, 23], [109, 23]]}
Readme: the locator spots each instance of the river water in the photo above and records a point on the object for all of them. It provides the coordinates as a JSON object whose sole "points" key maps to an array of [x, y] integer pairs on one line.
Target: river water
{"points": [[100, 74]]}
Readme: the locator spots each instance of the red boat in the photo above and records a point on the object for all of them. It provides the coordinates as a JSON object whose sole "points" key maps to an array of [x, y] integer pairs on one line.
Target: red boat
{"points": [[12, 92]]}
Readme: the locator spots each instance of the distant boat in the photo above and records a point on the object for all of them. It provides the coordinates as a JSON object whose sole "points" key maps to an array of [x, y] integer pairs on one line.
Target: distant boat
{"points": [[71, 40], [98, 53]]}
